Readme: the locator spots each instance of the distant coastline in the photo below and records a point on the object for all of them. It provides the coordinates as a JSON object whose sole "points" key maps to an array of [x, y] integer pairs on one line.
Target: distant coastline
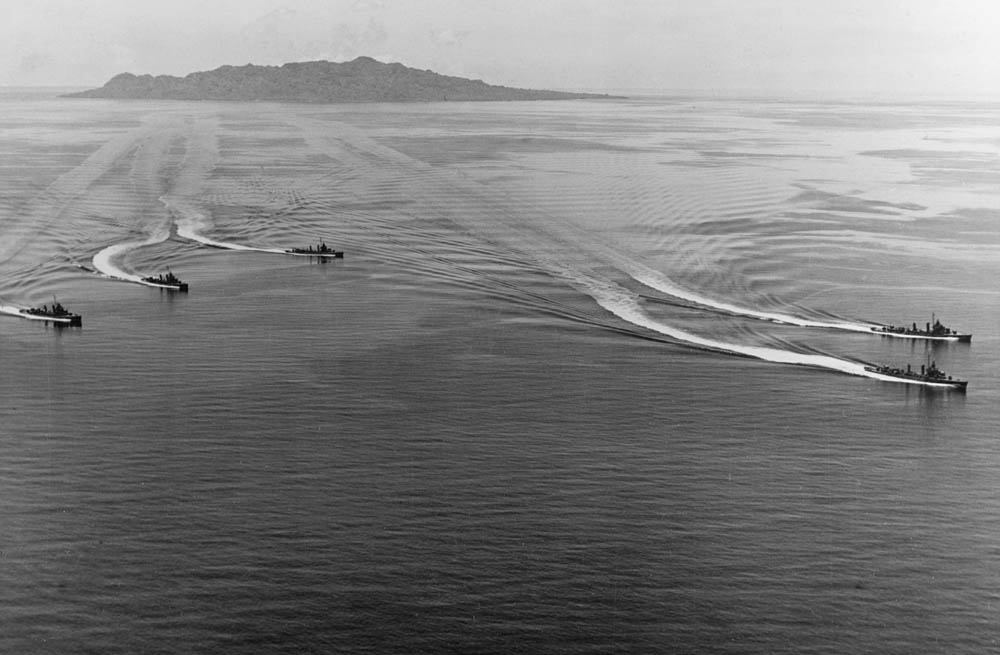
{"points": [[361, 80]]}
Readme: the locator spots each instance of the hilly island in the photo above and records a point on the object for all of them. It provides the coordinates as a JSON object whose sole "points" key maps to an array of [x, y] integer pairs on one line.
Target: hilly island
{"points": [[361, 80]]}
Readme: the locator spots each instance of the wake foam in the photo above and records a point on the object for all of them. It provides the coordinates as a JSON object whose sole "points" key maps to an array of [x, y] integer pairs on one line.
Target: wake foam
{"points": [[191, 223], [659, 282], [104, 261], [12, 310], [625, 305]]}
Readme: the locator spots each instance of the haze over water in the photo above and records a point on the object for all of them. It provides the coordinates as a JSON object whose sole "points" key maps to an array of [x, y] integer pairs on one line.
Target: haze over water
{"points": [[590, 377]]}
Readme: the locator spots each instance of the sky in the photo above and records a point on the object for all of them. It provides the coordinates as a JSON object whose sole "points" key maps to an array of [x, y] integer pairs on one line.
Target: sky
{"points": [[849, 48]]}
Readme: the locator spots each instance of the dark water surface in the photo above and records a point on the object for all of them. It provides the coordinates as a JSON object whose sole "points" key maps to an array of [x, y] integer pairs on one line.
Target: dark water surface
{"points": [[536, 408]]}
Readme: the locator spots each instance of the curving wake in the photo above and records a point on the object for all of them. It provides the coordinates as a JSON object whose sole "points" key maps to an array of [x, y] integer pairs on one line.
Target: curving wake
{"points": [[659, 282], [191, 223], [625, 305], [105, 261]]}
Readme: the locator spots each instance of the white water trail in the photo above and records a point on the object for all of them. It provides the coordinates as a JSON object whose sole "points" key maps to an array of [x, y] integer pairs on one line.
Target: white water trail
{"points": [[191, 222], [12, 310], [105, 260], [625, 305], [659, 282]]}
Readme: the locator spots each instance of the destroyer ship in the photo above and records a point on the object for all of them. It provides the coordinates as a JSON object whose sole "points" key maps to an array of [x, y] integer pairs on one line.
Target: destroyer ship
{"points": [[934, 331], [321, 250], [167, 281], [929, 375], [56, 313]]}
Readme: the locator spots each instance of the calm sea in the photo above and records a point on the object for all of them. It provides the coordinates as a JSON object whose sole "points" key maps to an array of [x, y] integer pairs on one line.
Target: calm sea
{"points": [[590, 378]]}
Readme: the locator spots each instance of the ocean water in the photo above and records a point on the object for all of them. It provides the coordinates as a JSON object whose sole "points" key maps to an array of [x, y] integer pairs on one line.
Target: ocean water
{"points": [[589, 378]]}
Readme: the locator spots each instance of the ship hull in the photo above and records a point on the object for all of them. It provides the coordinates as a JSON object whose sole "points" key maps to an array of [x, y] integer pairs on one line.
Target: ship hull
{"points": [[74, 320], [182, 288], [957, 385], [334, 254], [964, 338]]}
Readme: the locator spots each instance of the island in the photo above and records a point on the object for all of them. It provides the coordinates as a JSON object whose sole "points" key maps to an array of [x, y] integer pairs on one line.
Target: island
{"points": [[362, 80]]}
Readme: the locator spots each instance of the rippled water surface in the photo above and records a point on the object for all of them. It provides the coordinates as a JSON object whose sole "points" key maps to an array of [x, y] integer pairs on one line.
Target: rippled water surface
{"points": [[589, 378]]}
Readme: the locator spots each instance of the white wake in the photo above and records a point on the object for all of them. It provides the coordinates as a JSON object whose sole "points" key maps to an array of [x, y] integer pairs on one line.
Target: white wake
{"points": [[105, 262], [191, 224], [625, 305]]}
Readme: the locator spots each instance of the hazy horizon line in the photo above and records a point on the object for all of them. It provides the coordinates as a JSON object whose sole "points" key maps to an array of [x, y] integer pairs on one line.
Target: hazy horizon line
{"points": [[801, 95]]}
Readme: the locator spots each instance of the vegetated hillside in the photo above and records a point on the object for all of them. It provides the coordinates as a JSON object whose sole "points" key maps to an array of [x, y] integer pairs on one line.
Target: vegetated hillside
{"points": [[360, 80]]}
